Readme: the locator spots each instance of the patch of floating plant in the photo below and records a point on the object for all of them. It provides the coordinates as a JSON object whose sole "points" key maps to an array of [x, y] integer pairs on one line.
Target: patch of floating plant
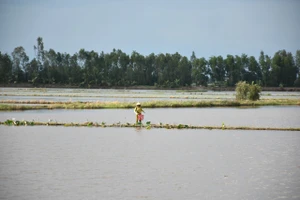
{"points": [[147, 125]]}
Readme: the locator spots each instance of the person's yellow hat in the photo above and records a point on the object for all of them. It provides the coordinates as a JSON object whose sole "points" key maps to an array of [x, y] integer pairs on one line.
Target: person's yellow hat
{"points": [[138, 104]]}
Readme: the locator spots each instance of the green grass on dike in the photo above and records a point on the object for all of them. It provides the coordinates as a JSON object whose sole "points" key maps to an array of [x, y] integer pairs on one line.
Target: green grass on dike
{"points": [[21, 105]]}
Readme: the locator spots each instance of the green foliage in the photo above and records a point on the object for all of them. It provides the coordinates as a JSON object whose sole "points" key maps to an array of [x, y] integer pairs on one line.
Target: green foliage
{"points": [[180, 126], [5, 68], [9, 122], [283, 69], [217, 69], [200, 71], [92, 69], [19, 63], [148, 125], [265, 65], [242, 89], [233, 70], [13, 122], [254, 92], [245, 91], [89, 124]]}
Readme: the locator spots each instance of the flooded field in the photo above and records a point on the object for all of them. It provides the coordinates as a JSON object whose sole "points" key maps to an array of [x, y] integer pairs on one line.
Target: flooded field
{"points": [[125, 95], [43, 162], [267, 116], [128, 163]]}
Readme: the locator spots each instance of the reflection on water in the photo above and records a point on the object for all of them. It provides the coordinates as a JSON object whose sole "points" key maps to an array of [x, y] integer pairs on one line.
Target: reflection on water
{"points": [[267, 116], [121, 163]]}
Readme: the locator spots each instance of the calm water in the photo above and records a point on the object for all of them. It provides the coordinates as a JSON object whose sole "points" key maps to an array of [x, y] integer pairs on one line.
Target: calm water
{"points": [[55, 94], [127, 163], [102, 99], [267, 116]]}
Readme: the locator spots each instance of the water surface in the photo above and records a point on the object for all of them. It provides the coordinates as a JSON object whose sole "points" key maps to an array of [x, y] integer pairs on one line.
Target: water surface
{"points": [[266, 116], [127, 163], [125, 95]]}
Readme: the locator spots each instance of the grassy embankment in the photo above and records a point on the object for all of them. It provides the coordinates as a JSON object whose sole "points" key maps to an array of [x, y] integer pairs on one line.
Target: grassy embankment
{"points": [[139, 87], [147, 125], [14, 105]]}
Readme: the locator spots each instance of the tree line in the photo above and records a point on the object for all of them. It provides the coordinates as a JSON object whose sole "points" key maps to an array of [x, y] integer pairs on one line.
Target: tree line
{"points": [[89, 68]]}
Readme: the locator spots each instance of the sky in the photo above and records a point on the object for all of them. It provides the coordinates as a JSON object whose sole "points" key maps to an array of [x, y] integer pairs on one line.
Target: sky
{"points": [[207, 27]]}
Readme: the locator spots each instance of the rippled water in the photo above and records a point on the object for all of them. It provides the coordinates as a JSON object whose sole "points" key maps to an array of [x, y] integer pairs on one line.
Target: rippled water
{"points": [[267, 116], [127, 163]]}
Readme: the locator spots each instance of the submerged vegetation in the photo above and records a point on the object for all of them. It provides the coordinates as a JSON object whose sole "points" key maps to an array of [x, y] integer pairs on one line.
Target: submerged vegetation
{"points": [[14, 105], [148, 125]]}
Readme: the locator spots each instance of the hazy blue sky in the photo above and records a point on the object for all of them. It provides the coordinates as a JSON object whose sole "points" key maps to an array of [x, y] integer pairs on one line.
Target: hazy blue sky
{"points": [[211, 27]]}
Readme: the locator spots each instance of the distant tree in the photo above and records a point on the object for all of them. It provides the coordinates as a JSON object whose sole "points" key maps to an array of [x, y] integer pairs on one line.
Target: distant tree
{"points": [[39, 52], [84, 58], [233, 71], [290, 70], [123, 64], [241, 63], [200, 71], [247, 69], [5, 68], [254, 70], [150, 61], [193, 57], [160, 63], [171, 71], [75, 72], [32, 71], [297, 60], [284, 70], [265, 65], [50, 72], [63, 67], [116, 68], [184, 69], [216, 67], [20, 60], [297, 64], [138, 68]]}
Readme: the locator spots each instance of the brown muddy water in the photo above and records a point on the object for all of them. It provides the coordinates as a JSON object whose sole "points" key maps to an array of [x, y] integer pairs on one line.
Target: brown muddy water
{"points": [[128, 163], [266, 116]]}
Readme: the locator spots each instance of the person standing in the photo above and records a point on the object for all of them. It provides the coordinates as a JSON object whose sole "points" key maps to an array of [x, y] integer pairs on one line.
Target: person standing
{"points": [[138, 112]]}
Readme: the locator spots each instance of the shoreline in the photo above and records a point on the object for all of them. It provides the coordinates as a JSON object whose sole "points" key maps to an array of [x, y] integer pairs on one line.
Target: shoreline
{"points": [[49, 105], [141, 87]]}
